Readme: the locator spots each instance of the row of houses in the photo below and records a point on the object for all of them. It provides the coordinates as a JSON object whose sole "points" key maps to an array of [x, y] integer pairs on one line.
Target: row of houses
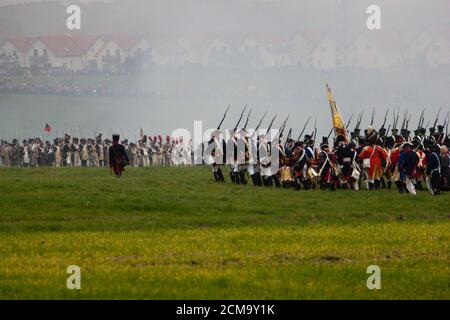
{"points": [[319, 50]]}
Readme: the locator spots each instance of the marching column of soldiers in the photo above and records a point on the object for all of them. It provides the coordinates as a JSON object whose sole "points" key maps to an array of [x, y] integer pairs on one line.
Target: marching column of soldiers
{"points": [[75, 152], [373, 160]]}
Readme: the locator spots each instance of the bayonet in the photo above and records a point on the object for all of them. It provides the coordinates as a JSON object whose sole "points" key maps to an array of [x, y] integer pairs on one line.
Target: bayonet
{"points": [[304, 127], [372, 117], [259, 123], [385, 118], [224, 116], [437, 118], [240, 118], [248, 117], [348, 123]]}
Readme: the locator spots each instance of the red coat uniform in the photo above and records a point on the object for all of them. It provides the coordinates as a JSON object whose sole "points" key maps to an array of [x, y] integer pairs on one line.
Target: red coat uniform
{"points": [[376, 156]]}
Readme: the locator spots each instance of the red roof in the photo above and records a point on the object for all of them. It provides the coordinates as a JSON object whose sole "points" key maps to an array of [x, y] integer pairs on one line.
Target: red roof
{"points": [[123, 41], [61, 45], [22, 44], [84, 42]]}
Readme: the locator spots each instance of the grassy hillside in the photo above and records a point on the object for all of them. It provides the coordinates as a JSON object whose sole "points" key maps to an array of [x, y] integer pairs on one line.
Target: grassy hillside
{"points": [[173, 233]]}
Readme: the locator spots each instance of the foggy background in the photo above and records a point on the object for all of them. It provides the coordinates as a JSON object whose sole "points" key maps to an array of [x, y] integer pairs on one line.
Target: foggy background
{"points": [[174, 96]]}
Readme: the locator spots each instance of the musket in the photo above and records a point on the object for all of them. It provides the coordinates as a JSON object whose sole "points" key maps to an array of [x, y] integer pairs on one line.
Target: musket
{"points": [[283, 126], [329, 134], [289, 134], [224, 116], [387, 131], [421, 119], [315, 129], [372, 117], [280, 132], [428, 123], [349, 120], [248, 117], [304, 127], [385, 118], [358, 122], [446, 119], [270, 127], [404, 120], [437, 117], [407, 121], [259, 123], [240, 118]]}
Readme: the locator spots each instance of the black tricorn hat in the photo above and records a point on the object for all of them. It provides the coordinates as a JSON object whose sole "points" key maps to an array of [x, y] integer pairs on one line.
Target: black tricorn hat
{"points": [[116, 137]]}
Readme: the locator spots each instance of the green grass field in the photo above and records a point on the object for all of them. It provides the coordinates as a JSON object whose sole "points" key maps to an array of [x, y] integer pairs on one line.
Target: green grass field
{"points": [[173, 233]]}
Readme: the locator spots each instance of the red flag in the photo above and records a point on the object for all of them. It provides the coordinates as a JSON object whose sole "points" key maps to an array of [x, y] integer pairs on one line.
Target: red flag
{"points": [[47, 128]]}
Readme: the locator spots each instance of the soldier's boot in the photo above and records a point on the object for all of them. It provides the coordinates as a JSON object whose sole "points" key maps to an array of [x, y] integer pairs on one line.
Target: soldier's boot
{"points": [[220, 175], [297, 184], [389, 184], [371, 185], [332, 186], [255, 179], [267, 181], [306, 184], [399, 185], [216, 176], [259, 179], [404, 187], [419, 185], [242, 177], [232, 177], [276, 181], [377, 184], [383, 182], [237, 178]]}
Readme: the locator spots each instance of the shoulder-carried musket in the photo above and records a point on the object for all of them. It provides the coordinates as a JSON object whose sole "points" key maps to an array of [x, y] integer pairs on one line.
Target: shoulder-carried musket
{"points": [[240, 118], [329, 133], [407, 121], [304, 127], [315, 130], [224, 116], [387, 131], [358, 122], [404, 119], [283, 126], [259, 124], [421, 119], [437, 118], [248, 117], [281, 130], [348, 122], [446, 119], [372, 117], [270, 126], [385, 118]]}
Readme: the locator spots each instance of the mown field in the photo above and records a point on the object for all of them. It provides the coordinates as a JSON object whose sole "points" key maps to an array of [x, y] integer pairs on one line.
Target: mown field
{"points": [[173, 233]]}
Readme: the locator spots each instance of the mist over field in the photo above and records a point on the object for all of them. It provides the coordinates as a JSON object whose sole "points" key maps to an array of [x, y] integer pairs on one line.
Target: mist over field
{"points": [[173, 96]]}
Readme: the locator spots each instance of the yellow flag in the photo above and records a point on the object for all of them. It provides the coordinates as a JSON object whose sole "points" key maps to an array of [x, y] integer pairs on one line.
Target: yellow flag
{"points": [[336, 118]]}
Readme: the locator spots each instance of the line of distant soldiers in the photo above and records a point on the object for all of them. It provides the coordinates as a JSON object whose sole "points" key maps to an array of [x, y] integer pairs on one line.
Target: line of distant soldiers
{"points": [[68, 151], [372, 160]]}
